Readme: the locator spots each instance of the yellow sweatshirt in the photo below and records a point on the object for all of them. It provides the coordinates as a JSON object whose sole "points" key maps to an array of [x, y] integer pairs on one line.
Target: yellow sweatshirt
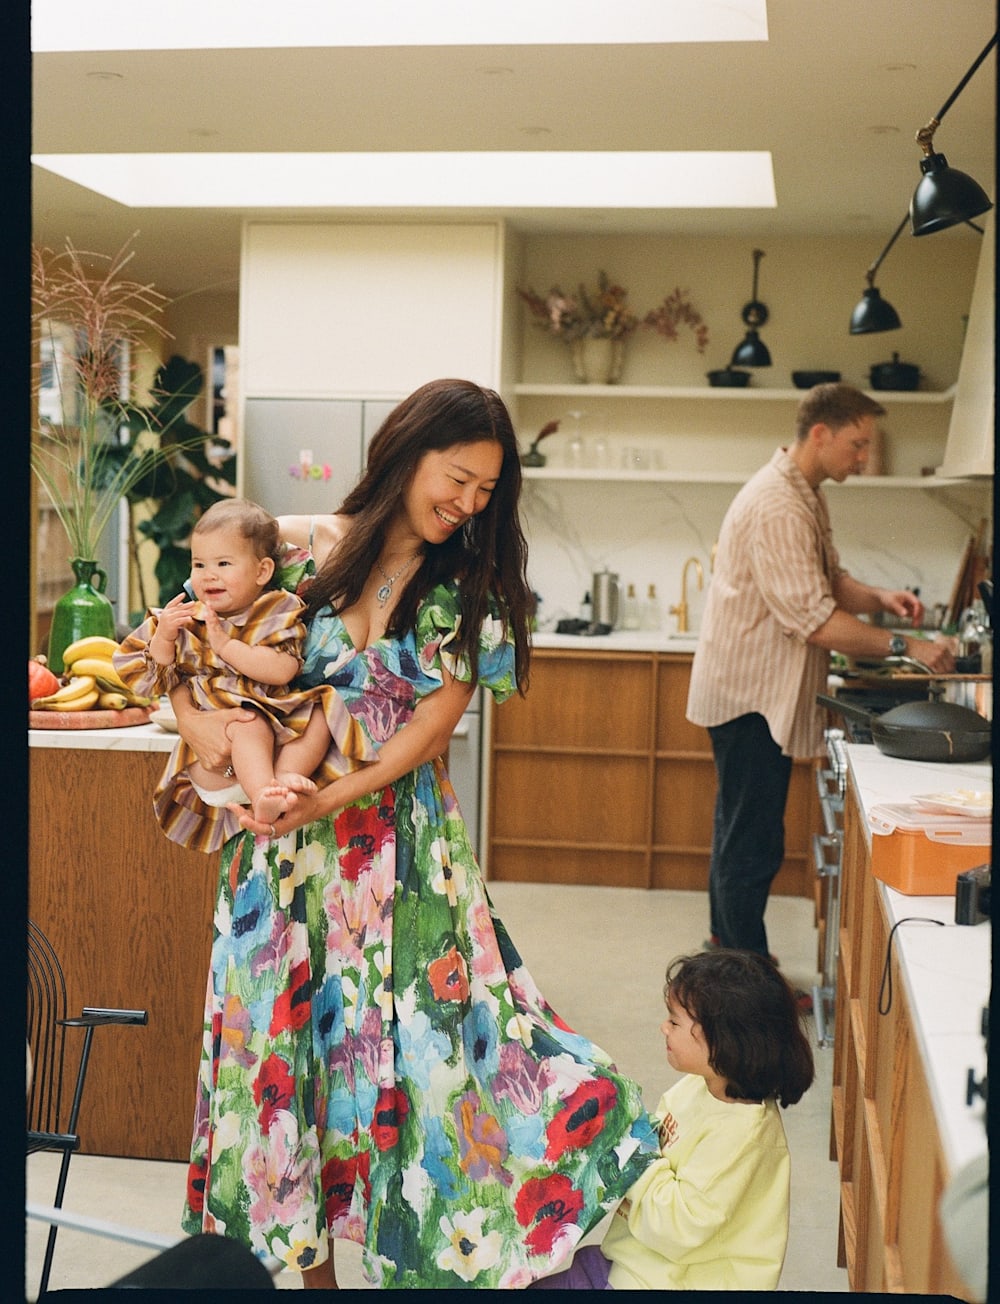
{"points": [[712, 1213]]}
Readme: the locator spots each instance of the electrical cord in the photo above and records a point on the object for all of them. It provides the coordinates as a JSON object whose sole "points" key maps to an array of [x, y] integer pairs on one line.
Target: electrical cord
{"points": [[885, 989]]}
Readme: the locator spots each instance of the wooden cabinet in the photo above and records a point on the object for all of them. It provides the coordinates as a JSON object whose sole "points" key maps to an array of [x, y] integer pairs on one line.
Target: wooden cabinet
{"points": [[885, 1136], [598, 777], [130, 915]]}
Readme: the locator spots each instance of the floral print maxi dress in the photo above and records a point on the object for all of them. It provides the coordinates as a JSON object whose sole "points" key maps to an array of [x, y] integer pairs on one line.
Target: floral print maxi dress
{"points": [[378, 1063]]}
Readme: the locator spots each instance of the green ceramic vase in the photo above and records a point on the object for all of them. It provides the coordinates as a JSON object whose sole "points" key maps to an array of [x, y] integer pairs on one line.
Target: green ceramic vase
{"points": [[83, 611]]}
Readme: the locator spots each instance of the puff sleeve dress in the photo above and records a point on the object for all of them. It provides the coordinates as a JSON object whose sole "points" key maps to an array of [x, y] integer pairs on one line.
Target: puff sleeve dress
{"points": [[378, 1063]]}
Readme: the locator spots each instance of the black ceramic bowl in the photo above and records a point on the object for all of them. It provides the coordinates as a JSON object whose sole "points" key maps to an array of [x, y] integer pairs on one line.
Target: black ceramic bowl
{"points": [[729, 378], [806, 379]]}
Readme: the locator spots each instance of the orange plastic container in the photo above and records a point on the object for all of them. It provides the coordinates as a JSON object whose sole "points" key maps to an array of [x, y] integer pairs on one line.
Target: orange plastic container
{"points": [[920, 853]]}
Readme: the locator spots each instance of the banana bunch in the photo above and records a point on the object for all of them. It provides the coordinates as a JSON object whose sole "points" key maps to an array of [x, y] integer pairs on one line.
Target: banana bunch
{"points": [[92, 682]]}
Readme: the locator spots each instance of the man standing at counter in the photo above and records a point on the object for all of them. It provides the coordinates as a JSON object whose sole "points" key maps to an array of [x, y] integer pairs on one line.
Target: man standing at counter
{"points": [[778, 604]]}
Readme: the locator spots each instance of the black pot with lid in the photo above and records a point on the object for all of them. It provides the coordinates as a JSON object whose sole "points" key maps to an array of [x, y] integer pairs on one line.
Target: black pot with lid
{"points": [[895, 374]]}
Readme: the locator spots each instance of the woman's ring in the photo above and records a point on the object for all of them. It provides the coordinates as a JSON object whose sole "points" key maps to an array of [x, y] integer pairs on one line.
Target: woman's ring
{"points": [[229, 772]]}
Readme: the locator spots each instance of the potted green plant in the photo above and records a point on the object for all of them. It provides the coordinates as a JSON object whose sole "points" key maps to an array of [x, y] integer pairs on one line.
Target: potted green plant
{"points": [[84, 452]]}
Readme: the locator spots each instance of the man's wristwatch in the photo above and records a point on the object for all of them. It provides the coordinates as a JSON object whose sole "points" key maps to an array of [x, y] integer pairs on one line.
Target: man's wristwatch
{"points": [[897, 646]]}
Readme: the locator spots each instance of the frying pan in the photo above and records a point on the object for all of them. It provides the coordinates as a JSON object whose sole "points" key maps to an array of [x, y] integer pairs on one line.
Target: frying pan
{"points": [[927, 731]]}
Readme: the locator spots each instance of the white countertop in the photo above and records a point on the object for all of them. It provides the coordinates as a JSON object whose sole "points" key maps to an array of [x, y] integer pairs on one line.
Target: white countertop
{"points": [[945, 968], [133, 738], [621, 640]]}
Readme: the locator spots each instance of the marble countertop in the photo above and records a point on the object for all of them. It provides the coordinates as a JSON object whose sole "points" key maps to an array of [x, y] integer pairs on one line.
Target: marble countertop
{"points": [[945, 966], [133, 738], [620, 640]]}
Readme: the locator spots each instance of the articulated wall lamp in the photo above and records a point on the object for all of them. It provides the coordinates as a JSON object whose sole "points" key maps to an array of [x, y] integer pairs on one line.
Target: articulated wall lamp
{"points": [[753, 352], [945, 196], [873, 313]]}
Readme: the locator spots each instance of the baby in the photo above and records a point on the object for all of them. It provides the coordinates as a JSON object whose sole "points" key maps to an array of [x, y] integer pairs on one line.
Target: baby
{"points": [[237, 644]]}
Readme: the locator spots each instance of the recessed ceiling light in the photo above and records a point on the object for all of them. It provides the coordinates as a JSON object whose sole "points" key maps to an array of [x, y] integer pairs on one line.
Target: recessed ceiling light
{"points": [[514, 179], [311, 24], [107, 76]]}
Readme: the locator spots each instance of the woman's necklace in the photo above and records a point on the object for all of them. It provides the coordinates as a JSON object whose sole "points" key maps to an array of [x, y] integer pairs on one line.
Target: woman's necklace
{"points": [[384, 593]]}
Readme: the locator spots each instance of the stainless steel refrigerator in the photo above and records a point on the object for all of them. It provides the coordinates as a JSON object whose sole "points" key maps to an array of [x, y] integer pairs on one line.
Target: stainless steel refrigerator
{"points": [[302, 456]]}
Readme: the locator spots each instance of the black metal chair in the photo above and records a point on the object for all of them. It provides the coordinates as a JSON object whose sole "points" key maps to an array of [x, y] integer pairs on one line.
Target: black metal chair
{"points": [[53, 1108]]}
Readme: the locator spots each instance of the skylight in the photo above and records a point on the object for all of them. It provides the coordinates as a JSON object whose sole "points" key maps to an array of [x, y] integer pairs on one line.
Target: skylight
{"points": [[65, 25], [576, 179]]}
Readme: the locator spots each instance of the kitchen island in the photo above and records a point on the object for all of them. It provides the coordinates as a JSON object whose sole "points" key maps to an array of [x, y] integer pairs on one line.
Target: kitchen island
{"points": [[130, 915], [912, 986]]}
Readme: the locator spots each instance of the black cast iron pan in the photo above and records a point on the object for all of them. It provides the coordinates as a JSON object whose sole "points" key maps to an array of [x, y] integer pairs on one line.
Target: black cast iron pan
{"points": [[927, 731]]}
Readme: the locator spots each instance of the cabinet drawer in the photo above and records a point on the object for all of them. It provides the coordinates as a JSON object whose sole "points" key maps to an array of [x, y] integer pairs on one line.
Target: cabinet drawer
{"points": [[599, 702], [570, 798]]}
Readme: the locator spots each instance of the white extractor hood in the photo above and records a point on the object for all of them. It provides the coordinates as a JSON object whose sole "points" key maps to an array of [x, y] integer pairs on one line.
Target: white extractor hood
{"points": [[970, 447]]}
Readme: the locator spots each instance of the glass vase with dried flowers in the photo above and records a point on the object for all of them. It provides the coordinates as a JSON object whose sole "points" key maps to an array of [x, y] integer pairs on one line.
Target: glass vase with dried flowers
{"points": [[676, 311], [601, 315], [88, 321]]}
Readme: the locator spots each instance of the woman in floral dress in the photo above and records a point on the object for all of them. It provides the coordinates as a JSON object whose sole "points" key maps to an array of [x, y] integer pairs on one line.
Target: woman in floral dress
{"points": [[378, 1064]]}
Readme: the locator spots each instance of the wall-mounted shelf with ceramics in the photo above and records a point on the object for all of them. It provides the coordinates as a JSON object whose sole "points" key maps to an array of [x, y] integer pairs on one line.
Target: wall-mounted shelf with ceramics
{"points": [[728, 477], [535, 390]]}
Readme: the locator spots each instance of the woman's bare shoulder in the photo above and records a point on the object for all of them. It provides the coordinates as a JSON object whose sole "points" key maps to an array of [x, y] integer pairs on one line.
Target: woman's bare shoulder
{"points": [[319, 533]]}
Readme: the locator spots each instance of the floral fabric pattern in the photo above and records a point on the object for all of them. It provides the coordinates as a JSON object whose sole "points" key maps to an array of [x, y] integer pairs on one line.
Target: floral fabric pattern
{"points": [[378, 1063]]}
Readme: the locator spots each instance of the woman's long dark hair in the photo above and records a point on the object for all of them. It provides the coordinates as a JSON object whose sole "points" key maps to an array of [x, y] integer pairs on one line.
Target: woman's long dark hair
{"points": [[488, 555], [749, 1020]]}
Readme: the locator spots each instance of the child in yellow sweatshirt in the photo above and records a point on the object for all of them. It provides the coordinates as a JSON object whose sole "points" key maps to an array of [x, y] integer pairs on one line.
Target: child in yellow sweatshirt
{"points": [[712, 1212]]}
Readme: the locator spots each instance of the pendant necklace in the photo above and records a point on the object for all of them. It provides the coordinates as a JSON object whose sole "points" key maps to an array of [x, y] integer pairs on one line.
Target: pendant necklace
{"points": [[384, 593]]}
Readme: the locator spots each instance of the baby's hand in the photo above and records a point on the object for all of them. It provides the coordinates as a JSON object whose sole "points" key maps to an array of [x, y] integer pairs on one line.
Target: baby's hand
{"points": [[174, 617], [217, 636]]}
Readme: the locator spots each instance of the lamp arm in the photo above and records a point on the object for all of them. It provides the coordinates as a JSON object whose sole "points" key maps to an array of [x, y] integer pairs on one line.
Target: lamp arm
{"points": [[870, 274], [925, 136]]}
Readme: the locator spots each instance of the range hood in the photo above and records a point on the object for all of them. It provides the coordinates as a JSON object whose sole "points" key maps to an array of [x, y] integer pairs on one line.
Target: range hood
{"points": [[970, 448]]}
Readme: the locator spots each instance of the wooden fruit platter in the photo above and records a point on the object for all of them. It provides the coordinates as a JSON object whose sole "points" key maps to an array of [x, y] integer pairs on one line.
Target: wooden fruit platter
{"points": [[89, 719]]}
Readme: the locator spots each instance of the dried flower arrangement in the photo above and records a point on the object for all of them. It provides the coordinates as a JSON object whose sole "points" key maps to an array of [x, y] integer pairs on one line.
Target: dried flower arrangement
{"points": [[600, 315], [677, 310], [80, 457]]}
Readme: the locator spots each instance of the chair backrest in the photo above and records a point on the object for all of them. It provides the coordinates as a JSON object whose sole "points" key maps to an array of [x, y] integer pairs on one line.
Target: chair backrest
{"points": [[46, 1036]]}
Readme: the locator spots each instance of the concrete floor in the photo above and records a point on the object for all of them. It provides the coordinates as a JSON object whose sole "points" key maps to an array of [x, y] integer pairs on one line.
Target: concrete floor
{"points": [[598, 954]]}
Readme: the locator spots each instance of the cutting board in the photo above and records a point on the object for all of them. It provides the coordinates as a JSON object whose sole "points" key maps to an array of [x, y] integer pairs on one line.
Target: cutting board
{"points": [[89, 719]]}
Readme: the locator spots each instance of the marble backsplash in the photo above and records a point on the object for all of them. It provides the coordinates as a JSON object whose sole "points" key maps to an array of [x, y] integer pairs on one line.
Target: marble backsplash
{"points": [[645, 531]]}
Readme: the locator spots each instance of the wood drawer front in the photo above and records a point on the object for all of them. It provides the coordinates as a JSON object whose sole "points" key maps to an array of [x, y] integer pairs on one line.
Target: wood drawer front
{"points": [[567, 798], [596, 702], [674, 732], [576, 865]]}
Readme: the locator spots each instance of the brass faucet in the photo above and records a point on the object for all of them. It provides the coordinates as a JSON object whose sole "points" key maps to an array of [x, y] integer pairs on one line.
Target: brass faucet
{"points": [[681, 610]]}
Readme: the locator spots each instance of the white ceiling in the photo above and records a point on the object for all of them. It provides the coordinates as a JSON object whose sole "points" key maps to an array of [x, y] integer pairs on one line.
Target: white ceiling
{"points": [[836, 94]]}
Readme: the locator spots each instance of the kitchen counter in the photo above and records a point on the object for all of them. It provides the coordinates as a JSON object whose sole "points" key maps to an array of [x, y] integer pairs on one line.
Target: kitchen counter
{"points": [[620, 640], [132, 738], [945, 970]]}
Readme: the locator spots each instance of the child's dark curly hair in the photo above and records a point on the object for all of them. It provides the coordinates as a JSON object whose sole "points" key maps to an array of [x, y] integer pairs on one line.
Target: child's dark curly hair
{"points": [[749, 1020]]}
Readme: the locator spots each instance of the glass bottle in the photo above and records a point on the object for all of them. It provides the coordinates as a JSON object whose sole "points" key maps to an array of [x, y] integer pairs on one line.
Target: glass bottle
{"points": [[630, 615], [652, 616]]}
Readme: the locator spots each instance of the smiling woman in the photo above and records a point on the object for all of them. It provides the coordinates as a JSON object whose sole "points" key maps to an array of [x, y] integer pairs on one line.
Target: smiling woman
{"points": [[378, 1064]]}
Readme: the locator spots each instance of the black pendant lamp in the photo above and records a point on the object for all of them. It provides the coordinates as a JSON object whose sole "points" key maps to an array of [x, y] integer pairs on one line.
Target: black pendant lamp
{"points": [[944, 196], [753, 352], [873, 313]]}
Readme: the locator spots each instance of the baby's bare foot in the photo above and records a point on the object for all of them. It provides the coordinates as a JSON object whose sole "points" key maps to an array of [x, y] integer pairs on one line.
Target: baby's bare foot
{"points": [[271, 803], [295, 782]]}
